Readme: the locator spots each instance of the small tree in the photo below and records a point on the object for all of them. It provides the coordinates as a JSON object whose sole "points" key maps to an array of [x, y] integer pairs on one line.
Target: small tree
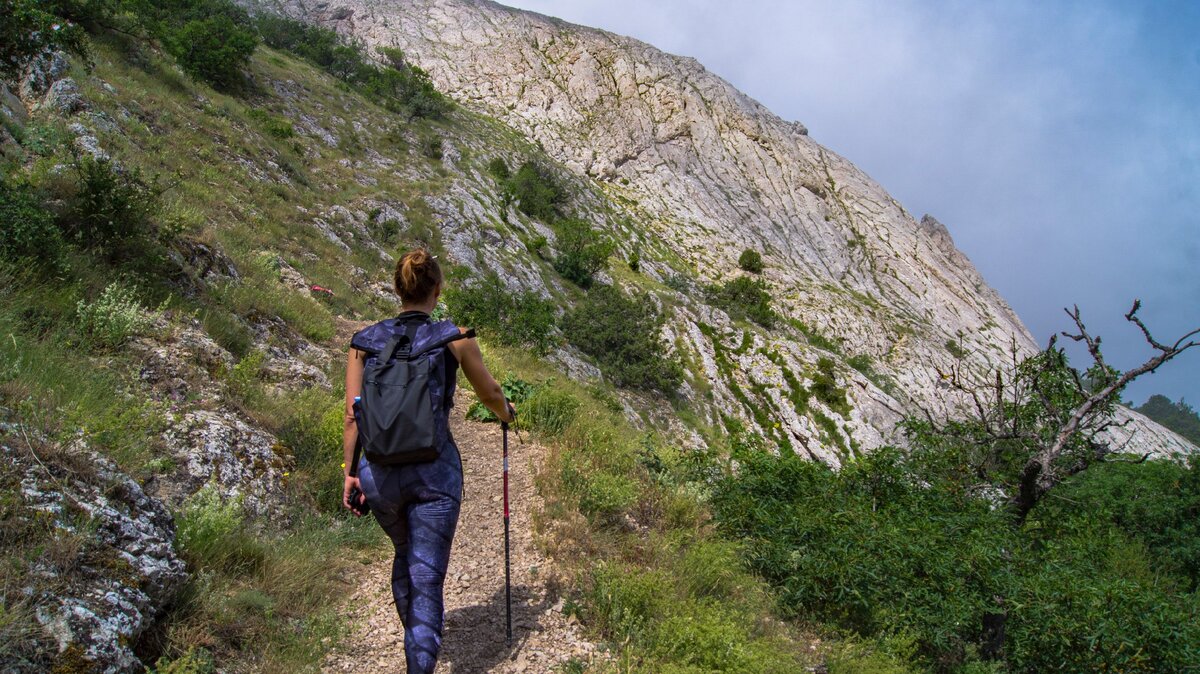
{"points": [[582, 251], [751, 261], [536, 191], [213, 49]]}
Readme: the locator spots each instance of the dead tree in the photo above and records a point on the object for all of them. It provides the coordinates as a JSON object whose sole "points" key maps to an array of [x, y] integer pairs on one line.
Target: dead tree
{"points": [[1039, 422]]}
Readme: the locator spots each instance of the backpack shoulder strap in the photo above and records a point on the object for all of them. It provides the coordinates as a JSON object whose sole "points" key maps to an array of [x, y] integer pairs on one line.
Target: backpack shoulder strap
{"points": [[443, 342]]}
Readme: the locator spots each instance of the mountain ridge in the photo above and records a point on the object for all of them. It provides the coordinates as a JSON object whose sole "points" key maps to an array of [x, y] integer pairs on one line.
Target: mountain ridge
{"points": [[704, 171]]}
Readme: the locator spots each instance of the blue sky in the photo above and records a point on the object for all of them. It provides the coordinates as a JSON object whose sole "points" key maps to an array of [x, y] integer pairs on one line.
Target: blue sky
{"points": [[1058, 141]]}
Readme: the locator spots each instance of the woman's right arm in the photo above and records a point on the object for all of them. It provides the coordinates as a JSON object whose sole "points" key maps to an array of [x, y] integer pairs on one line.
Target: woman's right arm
{"points": [[471, 360]]}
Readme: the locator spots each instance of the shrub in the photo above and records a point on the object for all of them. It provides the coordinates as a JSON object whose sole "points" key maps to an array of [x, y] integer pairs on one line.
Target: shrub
{"points": [[214, 49], [398, 86], [211, 533], [276, 127], [825, 387], [513, 318], [955, 349], [869, 549], [582, 251], [549, 410], [678, 282], [536, 190], [744, 297], [622, 334], [515, 390], [110, 210], [431, 147], [863, 363], [114, 317], [498, 169], [29, 230], [751, 261]]}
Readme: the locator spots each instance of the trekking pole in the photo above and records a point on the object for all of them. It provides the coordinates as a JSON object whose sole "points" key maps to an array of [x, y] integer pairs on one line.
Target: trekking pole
{"points": [[507, 576]]}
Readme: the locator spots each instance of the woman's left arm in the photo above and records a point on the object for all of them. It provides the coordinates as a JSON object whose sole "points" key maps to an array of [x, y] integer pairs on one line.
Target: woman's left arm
{"points": [[354, 370]]}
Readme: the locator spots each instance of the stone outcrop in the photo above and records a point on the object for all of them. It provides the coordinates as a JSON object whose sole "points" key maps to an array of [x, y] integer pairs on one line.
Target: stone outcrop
{"points": [[114, 568]]}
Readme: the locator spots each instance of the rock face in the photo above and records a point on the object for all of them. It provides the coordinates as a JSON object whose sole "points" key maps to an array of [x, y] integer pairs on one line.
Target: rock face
{"points": [[116, 565], [704, 172]]}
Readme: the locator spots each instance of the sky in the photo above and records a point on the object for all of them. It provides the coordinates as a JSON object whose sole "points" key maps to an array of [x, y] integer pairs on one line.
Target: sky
{"points": [[1059, 142]]}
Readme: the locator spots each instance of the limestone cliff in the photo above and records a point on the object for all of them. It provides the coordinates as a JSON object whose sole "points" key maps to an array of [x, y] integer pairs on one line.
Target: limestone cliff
{"points": [[703, 172]]}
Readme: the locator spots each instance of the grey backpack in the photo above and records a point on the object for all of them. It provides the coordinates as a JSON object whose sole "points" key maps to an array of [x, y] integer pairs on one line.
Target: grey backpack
{"points": [[397, 413]]}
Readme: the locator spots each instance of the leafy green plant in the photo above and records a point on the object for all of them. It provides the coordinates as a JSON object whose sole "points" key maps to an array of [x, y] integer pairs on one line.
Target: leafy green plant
{"points": [[582, 251], [398, 85], [431, 146], [501, 316], [744, 297], [34, 27], [276, 127], [114, 317], [751, 261], [110, 210], [498, 169], [956, 349], [29, 230], [214, 48], [825, 388], [536, 190], [869, 549], [515, 390], [622, 334]]}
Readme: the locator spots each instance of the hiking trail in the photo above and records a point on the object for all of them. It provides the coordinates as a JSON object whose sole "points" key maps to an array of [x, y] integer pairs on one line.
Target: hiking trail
{"points": [[544, 638]]}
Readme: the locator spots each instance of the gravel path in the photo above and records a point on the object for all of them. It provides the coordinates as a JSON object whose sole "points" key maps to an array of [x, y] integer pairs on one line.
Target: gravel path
{"points": [[543, 637]]}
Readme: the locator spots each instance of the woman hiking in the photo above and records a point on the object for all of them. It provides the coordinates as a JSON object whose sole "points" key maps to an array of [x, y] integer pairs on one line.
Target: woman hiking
{"points": [[417, 504]]}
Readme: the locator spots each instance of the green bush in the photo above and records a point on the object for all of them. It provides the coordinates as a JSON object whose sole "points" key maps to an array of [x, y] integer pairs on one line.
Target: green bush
{"points": [[825, 387], [894, 546], [114, 317], [431, 147], [501, 316], [515, 389], [498, 169], [549, 410], [110, 210], [955, 349], [868, 549], [751, 261], [622, 334], [536, 190], [744, 297], [276, 127], [398, 86], [211, 533], [214, 49], [1094, 605], [29, 230], [582, 251]]}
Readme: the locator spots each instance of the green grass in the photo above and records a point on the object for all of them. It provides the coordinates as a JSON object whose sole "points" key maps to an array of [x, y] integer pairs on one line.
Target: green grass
{"points": [[629, 520]]}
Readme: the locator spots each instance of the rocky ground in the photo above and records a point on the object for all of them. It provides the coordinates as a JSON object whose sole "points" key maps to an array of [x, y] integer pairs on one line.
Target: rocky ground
{"points": [[544, 637]]}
